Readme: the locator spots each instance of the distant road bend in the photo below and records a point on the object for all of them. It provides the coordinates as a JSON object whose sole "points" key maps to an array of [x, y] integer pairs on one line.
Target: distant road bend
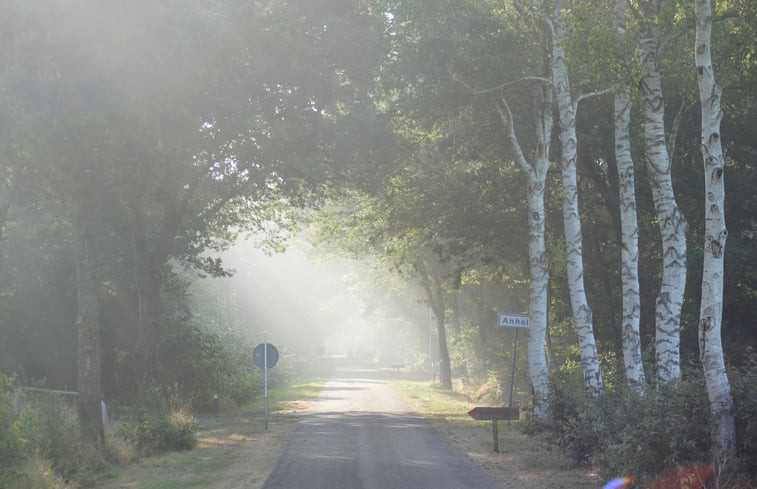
{"points": [[359, 434]]}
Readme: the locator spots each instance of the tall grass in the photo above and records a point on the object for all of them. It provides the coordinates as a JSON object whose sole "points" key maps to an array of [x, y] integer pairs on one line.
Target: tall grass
{"points": [[41, 443]]}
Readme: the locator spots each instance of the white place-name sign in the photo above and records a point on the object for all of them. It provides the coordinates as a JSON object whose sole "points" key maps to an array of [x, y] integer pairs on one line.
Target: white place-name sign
{"points": [[508, 320]]}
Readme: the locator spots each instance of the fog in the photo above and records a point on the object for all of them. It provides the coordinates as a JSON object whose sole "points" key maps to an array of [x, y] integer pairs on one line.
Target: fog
{"points": [[311, 305]]}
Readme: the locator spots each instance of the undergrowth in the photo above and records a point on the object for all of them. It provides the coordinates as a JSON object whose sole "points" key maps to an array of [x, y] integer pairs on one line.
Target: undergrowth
{"points": [[623, 432]]}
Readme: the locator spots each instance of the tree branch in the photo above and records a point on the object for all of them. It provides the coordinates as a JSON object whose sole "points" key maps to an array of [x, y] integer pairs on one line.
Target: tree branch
{"points": [[482, 91], [728, 14], [674, 128], [506, 115], [591, 95]]}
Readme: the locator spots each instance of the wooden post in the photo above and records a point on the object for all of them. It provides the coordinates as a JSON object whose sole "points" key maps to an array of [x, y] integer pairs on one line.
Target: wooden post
{"points": [[495, 435], [494, 414]]}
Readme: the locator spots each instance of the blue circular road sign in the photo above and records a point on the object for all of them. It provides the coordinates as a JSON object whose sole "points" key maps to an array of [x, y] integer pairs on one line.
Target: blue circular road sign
{"points": [[263, 352]]}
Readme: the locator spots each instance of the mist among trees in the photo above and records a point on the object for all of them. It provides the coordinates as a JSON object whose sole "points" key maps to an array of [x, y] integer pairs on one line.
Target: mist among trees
{"points": [[440, 161]]}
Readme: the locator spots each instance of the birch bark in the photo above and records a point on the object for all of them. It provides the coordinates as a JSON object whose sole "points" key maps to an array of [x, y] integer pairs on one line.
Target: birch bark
{"points": [[670, 220], [571, 216], [632, 359], [711, 309], [536, 175]]}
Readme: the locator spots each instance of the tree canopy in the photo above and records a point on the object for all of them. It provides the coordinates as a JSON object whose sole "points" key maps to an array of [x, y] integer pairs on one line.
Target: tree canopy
{"points": [[140, 140]]}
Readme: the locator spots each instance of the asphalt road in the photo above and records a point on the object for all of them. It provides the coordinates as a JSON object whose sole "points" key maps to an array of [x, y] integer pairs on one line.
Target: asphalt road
{"points": [[359, 434]]}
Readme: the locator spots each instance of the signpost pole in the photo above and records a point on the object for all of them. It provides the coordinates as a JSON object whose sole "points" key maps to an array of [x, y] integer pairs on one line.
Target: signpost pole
{"points": [[265, 356], [512, 370], [265, 382], [495, 435]]}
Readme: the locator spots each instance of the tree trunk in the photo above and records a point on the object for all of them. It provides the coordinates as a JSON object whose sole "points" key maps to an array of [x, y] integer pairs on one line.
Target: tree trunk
{"points": [[631, 336], [148, 282], [456, 320], [150, 263], [435, 293], [88, 328], [671, 222], [7, 189], [571, 216], [148, 279], [536, 175], [711, 309]]}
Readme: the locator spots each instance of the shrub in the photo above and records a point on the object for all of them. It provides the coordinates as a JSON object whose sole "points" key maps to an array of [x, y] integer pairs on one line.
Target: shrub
{"points": [[622, 432], [36, 473], [41, 443], [51, 430], [159, 423], [160, 433], [11, 442], [242, 385], [744, 385]]}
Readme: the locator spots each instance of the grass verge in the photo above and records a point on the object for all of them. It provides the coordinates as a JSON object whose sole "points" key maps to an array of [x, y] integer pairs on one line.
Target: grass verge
{"points": [[524, 462], [234, 450]]}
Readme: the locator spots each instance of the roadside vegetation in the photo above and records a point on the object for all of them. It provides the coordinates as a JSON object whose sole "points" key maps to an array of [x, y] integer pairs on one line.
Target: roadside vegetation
{"points": [[587, 441], [42, 447], [626, 433], [525, 461], [439, 148]]}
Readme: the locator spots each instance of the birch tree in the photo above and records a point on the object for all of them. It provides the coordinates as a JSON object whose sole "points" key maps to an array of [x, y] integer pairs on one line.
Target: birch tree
{"points": [[631, 338], [670, 219], [567, 107], [536, 176], [711, 307]]}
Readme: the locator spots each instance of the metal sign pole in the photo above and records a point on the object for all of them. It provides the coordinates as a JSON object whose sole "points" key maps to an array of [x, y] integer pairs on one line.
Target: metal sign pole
{"points": [[265, 382], [512, 373]]}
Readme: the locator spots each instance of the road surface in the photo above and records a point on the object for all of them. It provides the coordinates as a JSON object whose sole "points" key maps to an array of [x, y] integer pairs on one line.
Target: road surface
{"points": [[359, 434]]}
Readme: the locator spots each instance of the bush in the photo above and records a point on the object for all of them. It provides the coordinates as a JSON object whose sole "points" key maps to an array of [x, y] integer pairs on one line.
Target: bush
{"points": [[159, 423], [51, 430], [161, 433], [623, 432], [242, 385], [41, 443], [36, 473], [744, 385], [11, 443]]}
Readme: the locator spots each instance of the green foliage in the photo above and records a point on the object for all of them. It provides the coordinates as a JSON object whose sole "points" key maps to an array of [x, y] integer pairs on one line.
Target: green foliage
{"points": [[160, 422], [623, 432], [51, 428], [35, 473], [744, 386], [41, 443], [11, 442]]}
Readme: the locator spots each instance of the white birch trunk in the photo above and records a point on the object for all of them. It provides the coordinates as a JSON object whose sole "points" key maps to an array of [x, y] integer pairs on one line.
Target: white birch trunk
{"points": [[536, 175], [571, 216], [670, 220], [632, 359], [711, 309]]}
